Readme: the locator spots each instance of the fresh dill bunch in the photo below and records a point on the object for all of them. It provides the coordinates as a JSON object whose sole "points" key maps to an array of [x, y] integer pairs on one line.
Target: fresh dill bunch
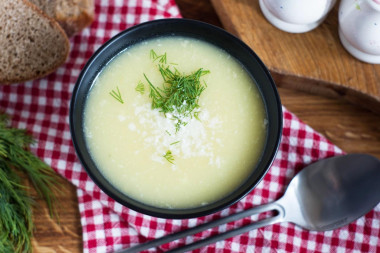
{"points": [[179, 94], [16, 225]]}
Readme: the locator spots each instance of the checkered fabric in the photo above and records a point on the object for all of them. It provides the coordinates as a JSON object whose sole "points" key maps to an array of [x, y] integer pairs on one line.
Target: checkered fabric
{"points": [[42, 107]]}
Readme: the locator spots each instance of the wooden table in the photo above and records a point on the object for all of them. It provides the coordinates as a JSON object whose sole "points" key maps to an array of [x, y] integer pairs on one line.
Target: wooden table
{"points": [[352, 128]]}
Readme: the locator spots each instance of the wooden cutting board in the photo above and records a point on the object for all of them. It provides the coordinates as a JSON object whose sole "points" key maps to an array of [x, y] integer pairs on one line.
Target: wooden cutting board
{"points": [[314, 61]]}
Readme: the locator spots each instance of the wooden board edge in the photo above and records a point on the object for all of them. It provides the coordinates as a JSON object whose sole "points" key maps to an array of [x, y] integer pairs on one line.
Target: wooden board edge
{"points": [[326, 89]]}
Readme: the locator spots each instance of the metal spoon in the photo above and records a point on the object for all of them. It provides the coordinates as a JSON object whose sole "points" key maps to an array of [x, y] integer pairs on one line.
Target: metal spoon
{"points": [[325, 195]]}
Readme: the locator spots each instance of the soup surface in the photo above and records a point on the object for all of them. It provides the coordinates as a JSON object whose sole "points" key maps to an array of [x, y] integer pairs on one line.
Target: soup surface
{"points": [[144, 153]]}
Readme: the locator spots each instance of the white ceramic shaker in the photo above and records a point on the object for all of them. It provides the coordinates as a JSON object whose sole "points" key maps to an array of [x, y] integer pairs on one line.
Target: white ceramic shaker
{"points": [[359, 29], [296, 16]]}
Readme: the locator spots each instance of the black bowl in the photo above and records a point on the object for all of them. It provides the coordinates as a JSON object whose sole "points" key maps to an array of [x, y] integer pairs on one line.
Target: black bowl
{"points": [[193, 29]]}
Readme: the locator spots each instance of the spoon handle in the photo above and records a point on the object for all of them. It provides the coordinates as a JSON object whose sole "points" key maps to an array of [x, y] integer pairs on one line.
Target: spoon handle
{"points": [[237, 216]]}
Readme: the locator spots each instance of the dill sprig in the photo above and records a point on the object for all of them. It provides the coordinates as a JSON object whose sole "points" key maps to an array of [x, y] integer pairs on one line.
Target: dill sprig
{"points": [[16, 225], [161, 58], [140, 88], [169, 157], [179, 94], [117, 95]]}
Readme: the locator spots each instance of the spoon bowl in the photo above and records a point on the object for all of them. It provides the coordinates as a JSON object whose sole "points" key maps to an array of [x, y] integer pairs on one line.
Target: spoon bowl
{"points": [[325, 195], [333, 192]]}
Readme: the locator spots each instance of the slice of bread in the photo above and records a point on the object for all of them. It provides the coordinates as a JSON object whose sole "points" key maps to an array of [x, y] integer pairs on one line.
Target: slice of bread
{"points": [[32, 44], [72, 15]]}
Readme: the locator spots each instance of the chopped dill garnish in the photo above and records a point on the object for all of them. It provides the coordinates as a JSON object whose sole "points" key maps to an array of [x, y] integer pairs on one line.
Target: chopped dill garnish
{"points": [[117, 95], [160, 58], [153, 55], [179, 94], [196, 115], [169, 157], [140, 88], [173, 143], [168, 132]]}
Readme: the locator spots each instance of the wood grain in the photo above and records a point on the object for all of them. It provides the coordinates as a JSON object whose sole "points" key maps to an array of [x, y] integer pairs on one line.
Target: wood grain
{"points": [[314, 61], [62, 235], [350, 127]]}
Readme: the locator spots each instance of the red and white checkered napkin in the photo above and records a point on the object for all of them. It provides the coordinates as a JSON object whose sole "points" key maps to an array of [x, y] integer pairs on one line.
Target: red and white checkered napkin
{"points": [[42, 106]]}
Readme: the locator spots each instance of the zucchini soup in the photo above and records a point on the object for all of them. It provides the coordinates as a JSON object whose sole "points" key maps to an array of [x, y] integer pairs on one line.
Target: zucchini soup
{"points": [[175, 122]]}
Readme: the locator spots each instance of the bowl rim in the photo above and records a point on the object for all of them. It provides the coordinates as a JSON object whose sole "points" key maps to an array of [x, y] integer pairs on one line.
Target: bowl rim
{"points": [[176, 213]]}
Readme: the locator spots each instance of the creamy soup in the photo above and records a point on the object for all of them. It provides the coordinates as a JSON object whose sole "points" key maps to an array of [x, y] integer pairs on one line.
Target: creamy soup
{"points": [[144, 152]]}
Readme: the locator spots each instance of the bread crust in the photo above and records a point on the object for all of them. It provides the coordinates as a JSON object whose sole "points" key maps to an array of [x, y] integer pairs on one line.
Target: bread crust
{"points": [[72, 15], [75, 23], [24, 49]]}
